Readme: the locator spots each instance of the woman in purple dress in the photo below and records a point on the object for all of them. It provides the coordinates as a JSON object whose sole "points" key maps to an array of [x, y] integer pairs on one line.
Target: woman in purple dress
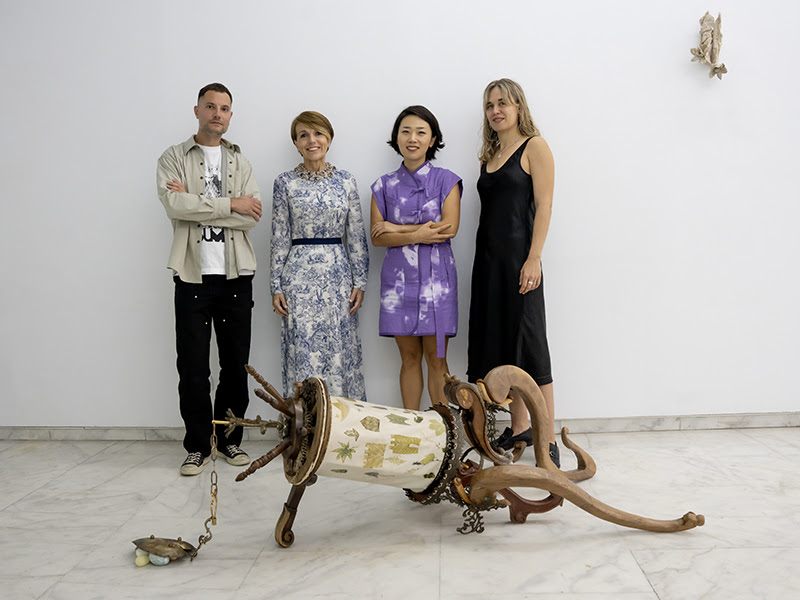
{"points": [[415, 213]]}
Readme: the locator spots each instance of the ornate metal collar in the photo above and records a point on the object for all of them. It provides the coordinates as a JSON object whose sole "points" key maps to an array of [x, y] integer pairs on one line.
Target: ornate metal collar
{"points": [[325, 173]]}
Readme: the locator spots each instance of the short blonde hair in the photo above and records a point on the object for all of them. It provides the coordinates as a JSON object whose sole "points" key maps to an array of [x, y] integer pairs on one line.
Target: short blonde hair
{"points": [[511, 92], [315, 120]]}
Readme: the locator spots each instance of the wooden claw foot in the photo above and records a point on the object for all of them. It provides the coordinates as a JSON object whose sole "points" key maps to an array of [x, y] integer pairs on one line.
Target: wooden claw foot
{"points": [[283, 528]]}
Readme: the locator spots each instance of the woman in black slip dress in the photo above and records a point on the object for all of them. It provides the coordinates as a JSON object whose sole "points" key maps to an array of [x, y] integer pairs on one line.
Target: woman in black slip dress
{"points": [[507, 316]]}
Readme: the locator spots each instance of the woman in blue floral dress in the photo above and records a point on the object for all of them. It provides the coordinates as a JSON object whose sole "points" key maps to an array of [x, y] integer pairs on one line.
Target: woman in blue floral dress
{"points": [[319, 265]]}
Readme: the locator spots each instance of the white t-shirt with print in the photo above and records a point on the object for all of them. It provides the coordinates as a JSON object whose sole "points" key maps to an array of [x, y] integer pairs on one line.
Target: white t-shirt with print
{"points": [[212, 248]]}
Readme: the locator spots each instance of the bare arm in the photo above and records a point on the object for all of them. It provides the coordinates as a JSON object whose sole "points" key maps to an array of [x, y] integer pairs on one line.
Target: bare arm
{"points": [[539, 162], [385, 233], [451, 210]]}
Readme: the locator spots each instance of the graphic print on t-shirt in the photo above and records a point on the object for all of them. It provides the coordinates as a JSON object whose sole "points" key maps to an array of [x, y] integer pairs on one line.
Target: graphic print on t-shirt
{"points": [[213, 180], [213, 234], [212, 251], [213, 190]]}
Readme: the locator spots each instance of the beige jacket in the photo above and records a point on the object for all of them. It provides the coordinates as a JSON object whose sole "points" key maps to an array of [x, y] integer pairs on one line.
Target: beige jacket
{"points": [[191, 211]]}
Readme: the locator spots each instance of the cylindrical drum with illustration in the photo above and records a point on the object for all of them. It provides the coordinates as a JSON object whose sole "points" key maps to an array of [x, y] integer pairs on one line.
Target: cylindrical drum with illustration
{"points": [[368, 442]]}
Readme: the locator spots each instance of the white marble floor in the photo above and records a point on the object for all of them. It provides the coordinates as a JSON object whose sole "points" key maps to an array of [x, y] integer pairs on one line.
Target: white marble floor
{"points": [[69, 510]]}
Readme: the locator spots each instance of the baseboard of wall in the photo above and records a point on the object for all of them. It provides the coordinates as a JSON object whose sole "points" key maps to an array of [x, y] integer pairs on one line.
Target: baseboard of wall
{"points": [[607, 425]]}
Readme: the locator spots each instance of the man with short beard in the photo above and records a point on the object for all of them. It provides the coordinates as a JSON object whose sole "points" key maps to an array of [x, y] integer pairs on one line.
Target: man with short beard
{"points": [[209, 192]]}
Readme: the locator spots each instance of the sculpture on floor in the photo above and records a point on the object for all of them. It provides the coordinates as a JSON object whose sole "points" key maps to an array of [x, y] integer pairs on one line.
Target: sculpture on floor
{"points": [[425, 453], [160, 551]]}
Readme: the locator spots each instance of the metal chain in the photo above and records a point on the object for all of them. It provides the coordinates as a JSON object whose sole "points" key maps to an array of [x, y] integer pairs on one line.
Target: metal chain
{"points": [[203, 539], [491, 413], [442, 488], [213, 474]]}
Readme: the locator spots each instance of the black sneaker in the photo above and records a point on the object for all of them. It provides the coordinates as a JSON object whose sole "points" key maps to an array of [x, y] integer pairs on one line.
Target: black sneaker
{"points": [[555, 455], [235, 455], [194, 463], [506, 442]]}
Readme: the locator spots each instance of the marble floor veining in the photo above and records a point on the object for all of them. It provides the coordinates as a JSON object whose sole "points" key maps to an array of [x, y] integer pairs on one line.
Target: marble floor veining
{"points": [[69, 510]]}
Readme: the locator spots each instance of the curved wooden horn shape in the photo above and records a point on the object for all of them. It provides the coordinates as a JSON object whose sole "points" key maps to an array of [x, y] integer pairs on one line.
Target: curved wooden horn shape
{"points": [[510, 381], [475, 417], [487, 482], [586, 465]]}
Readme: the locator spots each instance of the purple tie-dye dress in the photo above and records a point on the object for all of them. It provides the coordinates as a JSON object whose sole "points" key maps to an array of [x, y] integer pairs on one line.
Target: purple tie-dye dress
{"points": [[419, 290]]}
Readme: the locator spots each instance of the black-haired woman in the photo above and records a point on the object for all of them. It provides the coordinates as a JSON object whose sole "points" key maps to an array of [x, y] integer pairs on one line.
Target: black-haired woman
{"points": [[415, 213]]}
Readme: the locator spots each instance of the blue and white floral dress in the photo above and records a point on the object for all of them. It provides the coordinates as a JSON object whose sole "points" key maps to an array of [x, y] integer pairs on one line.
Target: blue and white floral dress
{"points": [[317, 274]]}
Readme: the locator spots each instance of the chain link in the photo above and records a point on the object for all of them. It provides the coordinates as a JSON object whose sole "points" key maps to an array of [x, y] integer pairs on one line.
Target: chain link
{"points": [[205, 538], [491, 413], [214, 474]]}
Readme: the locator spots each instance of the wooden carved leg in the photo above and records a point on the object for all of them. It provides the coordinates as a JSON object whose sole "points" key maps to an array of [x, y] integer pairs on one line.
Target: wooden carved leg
{"points": [[512, 382], [519, 508], [283, 528], [487, 482]]}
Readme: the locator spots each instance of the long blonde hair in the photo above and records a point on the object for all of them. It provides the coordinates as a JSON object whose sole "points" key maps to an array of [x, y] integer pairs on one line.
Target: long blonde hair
{"points": [[512, 92]]}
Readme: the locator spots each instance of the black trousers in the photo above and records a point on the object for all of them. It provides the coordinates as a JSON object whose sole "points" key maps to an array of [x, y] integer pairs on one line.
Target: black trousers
{"points": [[227, 304]]}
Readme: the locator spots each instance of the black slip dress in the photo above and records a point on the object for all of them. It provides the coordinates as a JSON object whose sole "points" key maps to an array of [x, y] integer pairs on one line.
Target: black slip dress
{"points": [[506, 327]]}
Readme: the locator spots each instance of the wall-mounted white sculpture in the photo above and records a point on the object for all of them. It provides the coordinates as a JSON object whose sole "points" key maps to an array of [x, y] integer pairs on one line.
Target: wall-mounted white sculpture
{"points": [[707, 52]]}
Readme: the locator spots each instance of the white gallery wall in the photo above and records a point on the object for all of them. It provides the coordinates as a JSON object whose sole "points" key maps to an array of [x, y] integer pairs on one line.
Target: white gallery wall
{"points": [[671, 266]]}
